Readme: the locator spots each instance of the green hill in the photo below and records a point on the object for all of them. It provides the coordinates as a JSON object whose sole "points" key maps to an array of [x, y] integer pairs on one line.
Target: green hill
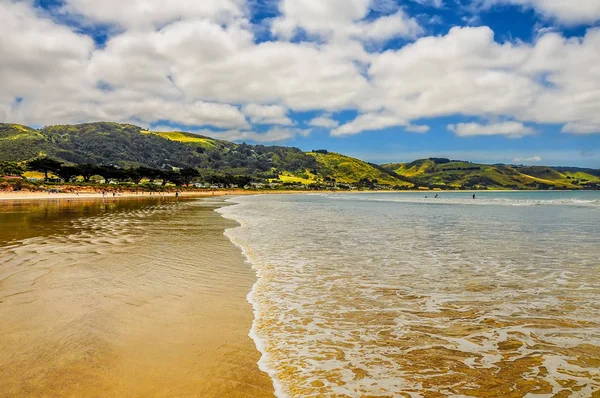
{"points": [[453, 174], [565, 176], [19, 143], [126, 146], [195, 140], [129, 146], [349, 170]]}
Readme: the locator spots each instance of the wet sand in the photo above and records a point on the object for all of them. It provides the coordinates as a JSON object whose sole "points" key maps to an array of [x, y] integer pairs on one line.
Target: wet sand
{"points": [[83, 195], [11, 196], [136, 298]]}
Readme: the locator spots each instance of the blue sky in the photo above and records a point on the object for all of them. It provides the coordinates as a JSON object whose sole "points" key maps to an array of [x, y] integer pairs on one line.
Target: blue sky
{"points": [[510, 81]]}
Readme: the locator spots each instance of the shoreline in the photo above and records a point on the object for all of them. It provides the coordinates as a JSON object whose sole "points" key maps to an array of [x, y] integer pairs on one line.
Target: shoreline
{"points": [[273, 389], [25, 196], [259, 345], [37, 196]]}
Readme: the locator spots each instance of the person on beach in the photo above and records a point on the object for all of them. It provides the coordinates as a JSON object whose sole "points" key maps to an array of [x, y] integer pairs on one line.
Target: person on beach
{"points": [[473, 196], [177, 194]]}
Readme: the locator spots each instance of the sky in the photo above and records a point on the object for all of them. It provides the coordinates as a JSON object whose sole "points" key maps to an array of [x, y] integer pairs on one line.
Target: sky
{"points": [[494, 81]]}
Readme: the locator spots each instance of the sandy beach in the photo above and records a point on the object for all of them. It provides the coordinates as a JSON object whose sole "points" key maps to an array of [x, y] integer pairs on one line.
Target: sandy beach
{"points": [[132, 298], [43, 196], [25, 195]]}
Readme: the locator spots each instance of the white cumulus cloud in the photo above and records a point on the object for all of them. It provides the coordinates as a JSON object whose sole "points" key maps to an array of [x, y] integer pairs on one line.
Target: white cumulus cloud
{"points": [[324, 121], [533, 159], [369, 122], [507, 129], [199, 63], [275, 134], [341, 19], [417, 128], [565, 11], [148, 13], [267, 114], [581, 128]]}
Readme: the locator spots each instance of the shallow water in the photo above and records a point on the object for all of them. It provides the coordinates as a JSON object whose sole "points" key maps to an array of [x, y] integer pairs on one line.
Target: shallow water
{"points": [[389, 295], [125, 298]]}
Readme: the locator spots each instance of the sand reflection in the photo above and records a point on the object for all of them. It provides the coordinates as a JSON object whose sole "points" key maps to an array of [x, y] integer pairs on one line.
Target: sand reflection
{"points": [[124, 299]]}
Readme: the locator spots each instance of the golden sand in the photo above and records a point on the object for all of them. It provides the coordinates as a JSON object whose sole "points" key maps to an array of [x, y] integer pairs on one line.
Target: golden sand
{"points": [[124, 299]]}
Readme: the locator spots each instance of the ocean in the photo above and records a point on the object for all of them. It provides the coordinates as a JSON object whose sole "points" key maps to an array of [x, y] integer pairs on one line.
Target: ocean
{"points": [[398, 295]]}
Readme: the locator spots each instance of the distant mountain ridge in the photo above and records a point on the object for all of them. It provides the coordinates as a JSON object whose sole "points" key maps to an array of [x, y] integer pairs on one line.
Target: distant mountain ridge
{"points": [[126, 145], [457, 174]]}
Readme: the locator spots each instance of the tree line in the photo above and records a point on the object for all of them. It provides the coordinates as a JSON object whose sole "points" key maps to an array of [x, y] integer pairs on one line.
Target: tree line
{"points": [[135, 175]]}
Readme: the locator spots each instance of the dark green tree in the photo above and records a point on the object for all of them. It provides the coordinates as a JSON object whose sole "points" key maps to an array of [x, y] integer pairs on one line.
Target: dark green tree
{"points": [[149, 173], [187, 175], [44, 165], [67, 173], [173, 177], [109, 173], [243, 181], [11, 169], [134, 175], [87, 171], [121, 175]]}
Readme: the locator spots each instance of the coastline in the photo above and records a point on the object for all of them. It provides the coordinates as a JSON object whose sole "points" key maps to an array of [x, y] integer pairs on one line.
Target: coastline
{"points": [[87, 195], [28, 195], [39, 196], [262, 364], [273, 334]]}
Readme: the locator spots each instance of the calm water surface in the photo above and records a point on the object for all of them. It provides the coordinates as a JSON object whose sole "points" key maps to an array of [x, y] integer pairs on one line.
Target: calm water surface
{"points": [[125, 298], [391, 295]]}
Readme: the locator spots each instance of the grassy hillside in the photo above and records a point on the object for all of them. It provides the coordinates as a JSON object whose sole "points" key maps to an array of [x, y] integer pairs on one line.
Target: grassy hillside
{"points": [[19, 142], [129, 146], [126, 146], [194, 140], [563, 176], [111, 143], [349, 170], [444, 173]]}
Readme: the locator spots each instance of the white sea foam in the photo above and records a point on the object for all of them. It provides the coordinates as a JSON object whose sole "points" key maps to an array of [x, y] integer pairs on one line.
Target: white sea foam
{"points": [[482, 199], [354, 298], [264, 361]]}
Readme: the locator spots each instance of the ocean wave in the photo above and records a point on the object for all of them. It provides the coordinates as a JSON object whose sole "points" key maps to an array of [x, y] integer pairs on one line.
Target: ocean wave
{"points": [[429, 198], [354, 299], [230, 212]]}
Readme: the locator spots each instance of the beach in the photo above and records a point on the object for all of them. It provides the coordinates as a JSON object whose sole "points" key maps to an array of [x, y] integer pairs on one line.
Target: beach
{"points": [[363, 294], [22, 195], [83, 195], [124, 298]]}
